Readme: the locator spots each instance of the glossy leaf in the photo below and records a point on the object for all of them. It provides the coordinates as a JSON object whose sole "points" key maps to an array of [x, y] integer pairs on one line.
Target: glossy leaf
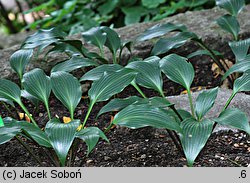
{"points": [[91, 136], [96, 73], [67, 89], [242, 83], [203, 52], [153, 60], [1, 122], [19, 60], [7, 102], [133, 14], [149, 75], [194, 137], [37, 84], [166, 44], [61, 136], [238, 67], [10, 91], [232, 6], [205, 102], [160, 30], [74, 63], [240, 49], [34, 100], [110, 84], [229, 24], [235, 118], [178, 70], [138, 116], [9, 130]]}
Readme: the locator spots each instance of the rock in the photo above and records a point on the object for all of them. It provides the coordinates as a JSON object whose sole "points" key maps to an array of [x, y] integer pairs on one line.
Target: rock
{"points": [[240, 101], [200, 22]]}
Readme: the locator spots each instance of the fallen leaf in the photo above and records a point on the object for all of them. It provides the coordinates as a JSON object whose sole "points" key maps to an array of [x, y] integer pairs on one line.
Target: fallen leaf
{"points": [[66, 119], [21, 115]]}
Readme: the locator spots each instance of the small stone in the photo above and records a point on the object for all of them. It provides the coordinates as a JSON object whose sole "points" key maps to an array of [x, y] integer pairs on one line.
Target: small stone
{"points": [[89, 161], [40, 114], [248, 149], [106, 158], [222, 158], [143, 156], [241, 143], [236, 145]]}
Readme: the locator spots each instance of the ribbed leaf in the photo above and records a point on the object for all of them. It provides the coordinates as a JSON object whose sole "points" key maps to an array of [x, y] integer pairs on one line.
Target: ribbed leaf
{"points": [[95, 36], [10, 91], [205, 102], [230, 24], [110, 84], [30, 97], [235, 118], [149, 75], [240, 49], [242, 83], [232, 6], [74, 63], [67, 89], [9, 130], [37, 84], [117, 104], [178, 70], [238, 67], [91, 136], [153, 59], [19, 60], [7, 102], [96, 73], [138, 116], [194, 137], [160, 30], [203, 52], [61, 136], [166, 44]]}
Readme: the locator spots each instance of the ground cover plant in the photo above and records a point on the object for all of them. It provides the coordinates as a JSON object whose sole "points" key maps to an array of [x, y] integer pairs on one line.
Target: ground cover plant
{"points": [[189, 131]]}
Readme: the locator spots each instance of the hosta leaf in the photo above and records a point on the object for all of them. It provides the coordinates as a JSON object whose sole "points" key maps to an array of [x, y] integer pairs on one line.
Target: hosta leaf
{"points": [[95, 36], [203, 52], [19, 60], [74, 63], [110, 84], [61, 136], [238, 67], [149, 75], [153, 59], [152, 3], [166, 44], [230, 24], [160, 30], [108, 7], [138, 116], [9, 130], [133, 14], [113, 41], [37, 84], [9, 91], [96, 73], [205, 102], [235, 118], [194, 137], [1, 122], [240, 49], [67, 89], [232, 6], [178, 70], [91, 136], [242, 83], [117, 104], [30, 97], [7, 101]]}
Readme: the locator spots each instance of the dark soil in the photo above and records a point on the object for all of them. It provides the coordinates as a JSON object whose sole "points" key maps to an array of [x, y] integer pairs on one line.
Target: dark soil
{"points": [[145, 147]]}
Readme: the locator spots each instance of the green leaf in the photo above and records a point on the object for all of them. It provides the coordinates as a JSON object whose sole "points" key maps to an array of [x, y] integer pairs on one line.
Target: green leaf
{"points": [[194, 137], [110, 84], [96, 73], [10, 91], [232, 6], [67, 89], [95, 36], [166, 44], [61, 136], [7, 102], [1, 122], [19, 60], [149, 75], [9, 130], [205, 102], [139, 116], [235, 118], [238, 67], [242, 83], [152, 3], [117, 104], [37, 84], [133, 14], [108, 7], [74, 63], [91, 136], [160, 30], [178, 70], [34, 100], [229, 24], [240, 49], [153, 60], [203, 52]]}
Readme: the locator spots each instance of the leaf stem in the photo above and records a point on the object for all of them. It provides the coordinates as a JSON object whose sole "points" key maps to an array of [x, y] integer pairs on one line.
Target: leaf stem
{"points": [[29, 150], [47, 108], [191, 102], [88, 113], [228, 101], [138, 89], [114, 58], [27, 112]]}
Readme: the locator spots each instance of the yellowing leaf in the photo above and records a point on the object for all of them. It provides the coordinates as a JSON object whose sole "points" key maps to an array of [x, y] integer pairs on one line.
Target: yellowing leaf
{"points": [[66, 119], [21, 115], [27, 118], [79, 127]]}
